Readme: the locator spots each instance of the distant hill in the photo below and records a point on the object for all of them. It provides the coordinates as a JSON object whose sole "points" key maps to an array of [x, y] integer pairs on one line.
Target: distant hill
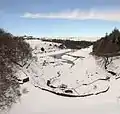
{"points": [[92, 39], [71, 44]]}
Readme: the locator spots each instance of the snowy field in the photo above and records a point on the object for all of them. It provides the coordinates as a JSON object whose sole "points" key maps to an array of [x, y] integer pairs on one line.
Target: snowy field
{"points": [[65, 81]]}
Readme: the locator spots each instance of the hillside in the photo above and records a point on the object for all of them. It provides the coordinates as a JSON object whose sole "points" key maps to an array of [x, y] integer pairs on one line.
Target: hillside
{"points": [[60, 80], [13, 50], [68, 81], [108, 45]]}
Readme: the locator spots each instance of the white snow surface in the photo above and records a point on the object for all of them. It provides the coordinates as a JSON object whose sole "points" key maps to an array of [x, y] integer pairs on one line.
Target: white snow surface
{"points": [[80, 71]]}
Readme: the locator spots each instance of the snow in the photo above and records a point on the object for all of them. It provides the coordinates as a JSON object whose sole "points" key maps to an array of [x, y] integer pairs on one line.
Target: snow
{"points": [[41, 102], [77, 69]]}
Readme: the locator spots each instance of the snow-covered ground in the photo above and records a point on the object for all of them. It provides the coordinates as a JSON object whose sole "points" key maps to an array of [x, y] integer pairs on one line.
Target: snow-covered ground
{"points": [[68, 82]]}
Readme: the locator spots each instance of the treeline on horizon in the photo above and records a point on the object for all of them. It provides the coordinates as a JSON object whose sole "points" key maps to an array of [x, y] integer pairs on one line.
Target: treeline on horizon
{"points": [[12, 50], [68, 43], [71, 44]]}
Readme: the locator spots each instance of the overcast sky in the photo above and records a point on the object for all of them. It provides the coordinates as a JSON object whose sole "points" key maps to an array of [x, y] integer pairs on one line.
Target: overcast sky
{"points": [[60, 17]]}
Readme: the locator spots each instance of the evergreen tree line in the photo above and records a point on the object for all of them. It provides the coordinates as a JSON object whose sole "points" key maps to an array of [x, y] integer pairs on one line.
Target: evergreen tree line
{"points": [[108, 45]]}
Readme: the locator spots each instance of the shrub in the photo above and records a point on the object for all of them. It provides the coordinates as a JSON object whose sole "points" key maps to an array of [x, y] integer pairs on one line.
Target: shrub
{"points": [[12, 50], [42, 49]]}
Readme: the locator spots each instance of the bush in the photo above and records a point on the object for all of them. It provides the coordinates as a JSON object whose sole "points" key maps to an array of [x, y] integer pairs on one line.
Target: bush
{"points": [[12, 50], [42, 49]]}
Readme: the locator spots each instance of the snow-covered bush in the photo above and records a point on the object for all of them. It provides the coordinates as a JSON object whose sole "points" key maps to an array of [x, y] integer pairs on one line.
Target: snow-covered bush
{"points": [[12, 50]]}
